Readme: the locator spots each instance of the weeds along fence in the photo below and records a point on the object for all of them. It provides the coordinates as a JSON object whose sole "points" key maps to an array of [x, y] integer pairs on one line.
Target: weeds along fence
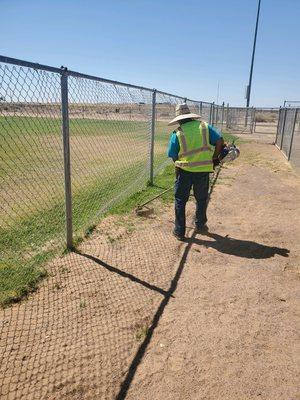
{"points": [[288, 134]]}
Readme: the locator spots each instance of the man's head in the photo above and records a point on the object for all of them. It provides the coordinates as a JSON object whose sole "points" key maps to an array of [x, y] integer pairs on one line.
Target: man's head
{"points": [[183, 115]]}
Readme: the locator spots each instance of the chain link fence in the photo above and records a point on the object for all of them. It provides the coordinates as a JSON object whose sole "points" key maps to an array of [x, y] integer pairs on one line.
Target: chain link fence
{"points": [[240, 119], [288, 134], [72, 147], [265, 120]]}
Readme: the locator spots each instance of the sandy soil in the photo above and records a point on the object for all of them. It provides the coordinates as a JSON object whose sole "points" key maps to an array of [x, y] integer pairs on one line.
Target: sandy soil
{"points": [[137, 314], [232, 329]]}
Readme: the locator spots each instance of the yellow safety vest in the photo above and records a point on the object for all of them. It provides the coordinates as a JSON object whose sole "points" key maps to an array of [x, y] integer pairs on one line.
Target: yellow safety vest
{"points": [[195, 153]]}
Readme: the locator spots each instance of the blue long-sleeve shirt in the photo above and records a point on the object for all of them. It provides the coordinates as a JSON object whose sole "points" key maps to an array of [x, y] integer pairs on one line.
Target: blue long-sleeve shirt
{"points": [[174, 146]]}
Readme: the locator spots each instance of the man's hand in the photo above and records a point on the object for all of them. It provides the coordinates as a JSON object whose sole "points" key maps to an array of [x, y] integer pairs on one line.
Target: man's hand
{"points": [[218, 148]]}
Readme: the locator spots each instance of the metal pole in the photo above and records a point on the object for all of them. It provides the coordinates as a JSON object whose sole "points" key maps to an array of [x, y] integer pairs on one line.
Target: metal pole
{"points": [[253, 54], [278, 123], [67, 162], [253, 124], [283, 127], [223, 105], [293, 131], [227, 115], [200, 109], [151, 161], [246, 117], [211, 113], [217, 115]]}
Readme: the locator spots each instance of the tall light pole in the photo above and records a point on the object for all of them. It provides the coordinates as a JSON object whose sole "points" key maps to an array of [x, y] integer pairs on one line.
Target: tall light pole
{"points": [[253, 54]]}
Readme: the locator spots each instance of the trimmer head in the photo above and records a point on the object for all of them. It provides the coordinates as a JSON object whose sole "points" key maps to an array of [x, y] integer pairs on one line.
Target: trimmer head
{"points": [[229, 153]]}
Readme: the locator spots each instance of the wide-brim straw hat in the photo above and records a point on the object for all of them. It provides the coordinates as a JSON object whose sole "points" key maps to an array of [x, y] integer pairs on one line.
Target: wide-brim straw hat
{"points": [[183, 112]]}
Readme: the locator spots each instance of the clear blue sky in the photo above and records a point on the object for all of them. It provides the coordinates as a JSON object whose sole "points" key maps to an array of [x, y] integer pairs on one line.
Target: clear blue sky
{"points": [[183, 47]]}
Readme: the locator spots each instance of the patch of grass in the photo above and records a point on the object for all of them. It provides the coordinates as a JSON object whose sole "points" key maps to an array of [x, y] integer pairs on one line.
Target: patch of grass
{"points": [[37, 126], [18, 279], [25, 244], [228, 137], [111, 239], [82, 304], [164, 180], [57, 285], [64, 270], [141, 333]]}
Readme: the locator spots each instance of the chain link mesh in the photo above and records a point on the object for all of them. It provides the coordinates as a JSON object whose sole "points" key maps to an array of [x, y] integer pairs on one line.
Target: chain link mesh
{"points": [[109, 146], [295, 144], [164, 113], [288, 134], [31, 181], [239, 119], [287, 130]]}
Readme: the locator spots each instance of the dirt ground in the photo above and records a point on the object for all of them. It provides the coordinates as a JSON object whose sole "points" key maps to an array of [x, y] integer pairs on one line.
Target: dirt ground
{"points": [[137, 314]]}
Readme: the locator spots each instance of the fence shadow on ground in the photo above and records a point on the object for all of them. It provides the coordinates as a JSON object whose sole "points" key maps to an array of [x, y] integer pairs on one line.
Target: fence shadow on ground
{"points": [[141, 350], [124, 274], [160, 310]]}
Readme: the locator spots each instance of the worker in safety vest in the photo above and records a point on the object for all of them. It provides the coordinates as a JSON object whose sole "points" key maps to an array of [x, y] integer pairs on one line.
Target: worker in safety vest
{"points": [[191, 149]]}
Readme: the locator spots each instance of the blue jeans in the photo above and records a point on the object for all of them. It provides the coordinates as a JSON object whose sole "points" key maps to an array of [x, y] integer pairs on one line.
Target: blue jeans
{"points": [[185, 180]]}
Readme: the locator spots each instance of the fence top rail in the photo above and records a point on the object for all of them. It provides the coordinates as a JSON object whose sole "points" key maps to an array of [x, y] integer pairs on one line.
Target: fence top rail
{"points": [[290, 108], [23, 63], [241, 108], [267, 108]]}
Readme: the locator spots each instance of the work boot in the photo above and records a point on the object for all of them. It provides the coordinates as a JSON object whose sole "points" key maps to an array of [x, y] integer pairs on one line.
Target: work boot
{"points": [[178, 236], [201, 228]]}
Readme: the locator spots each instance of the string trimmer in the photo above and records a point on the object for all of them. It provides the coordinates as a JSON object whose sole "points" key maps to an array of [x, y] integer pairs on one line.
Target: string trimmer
{"points": [[229, 153]]}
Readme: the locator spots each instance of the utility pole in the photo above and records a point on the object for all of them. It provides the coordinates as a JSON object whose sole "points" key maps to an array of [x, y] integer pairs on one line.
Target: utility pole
{"points": [[253, 54]]}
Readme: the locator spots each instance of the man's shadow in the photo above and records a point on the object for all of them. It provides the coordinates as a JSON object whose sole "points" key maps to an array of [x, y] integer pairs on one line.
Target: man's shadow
{"points": [[239, 248]]}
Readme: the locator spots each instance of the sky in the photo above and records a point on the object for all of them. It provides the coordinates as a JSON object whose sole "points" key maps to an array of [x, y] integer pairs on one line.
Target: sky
{"points": [[188, 48]]}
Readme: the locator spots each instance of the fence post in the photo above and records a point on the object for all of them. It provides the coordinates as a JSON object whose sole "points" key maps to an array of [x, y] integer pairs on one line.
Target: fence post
{"points": [[283, 127], [293, 131], [200, 108], [223, 105], [216, 116], [278, 123], [211, 111], [151, 161], [253, 123], [227, 115], [66, 148], [246, 117]]}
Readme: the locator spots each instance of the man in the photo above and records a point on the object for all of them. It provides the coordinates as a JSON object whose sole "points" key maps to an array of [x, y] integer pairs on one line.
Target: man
{"points": [[190, 148]]}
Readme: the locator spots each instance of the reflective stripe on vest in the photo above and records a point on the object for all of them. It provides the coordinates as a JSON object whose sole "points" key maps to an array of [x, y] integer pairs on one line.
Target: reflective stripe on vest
{"points": [[195, 153], [183, 141], [192, 164], [187, 152]]}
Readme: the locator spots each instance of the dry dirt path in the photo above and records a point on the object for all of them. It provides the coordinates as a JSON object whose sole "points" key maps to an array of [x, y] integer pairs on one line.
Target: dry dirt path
{"points": [[140, 315], [232, 329]]}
